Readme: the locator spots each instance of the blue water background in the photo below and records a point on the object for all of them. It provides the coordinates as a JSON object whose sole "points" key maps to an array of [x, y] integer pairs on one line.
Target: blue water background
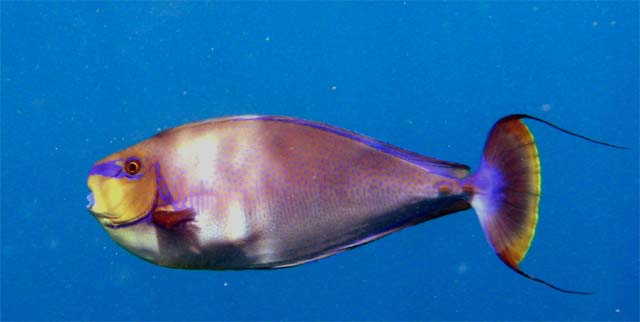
{"points": [[82, 80]]}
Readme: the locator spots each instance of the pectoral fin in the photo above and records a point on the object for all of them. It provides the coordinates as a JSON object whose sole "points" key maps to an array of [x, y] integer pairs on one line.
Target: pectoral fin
{"points": [[170, 219]]}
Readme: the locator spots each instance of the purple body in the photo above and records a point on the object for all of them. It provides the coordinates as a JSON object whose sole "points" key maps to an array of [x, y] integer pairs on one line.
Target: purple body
{"points": [[263, 192]]}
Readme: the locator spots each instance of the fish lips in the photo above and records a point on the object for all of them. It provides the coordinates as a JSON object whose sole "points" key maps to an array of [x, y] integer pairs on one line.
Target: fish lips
{"points": [[92, 201]]}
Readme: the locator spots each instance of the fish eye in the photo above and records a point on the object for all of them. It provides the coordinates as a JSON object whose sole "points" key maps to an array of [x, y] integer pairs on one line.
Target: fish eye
{"points": [[132, 167]]}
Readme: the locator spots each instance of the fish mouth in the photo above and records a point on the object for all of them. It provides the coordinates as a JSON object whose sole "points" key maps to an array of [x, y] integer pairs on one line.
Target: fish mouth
{"points": [[91, 199], [108, 220], [92, 202]]}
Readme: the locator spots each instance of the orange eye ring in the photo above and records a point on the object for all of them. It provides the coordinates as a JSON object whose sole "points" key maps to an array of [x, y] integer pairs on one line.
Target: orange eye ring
{"points": [[132, 167]]}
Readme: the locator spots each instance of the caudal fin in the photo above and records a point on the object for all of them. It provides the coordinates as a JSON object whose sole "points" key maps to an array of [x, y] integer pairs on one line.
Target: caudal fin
{"points": [[505, 191]]}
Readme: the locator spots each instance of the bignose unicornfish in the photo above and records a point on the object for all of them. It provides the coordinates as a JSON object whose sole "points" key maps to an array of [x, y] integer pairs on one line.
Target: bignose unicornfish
{"points": [[257, 192]]}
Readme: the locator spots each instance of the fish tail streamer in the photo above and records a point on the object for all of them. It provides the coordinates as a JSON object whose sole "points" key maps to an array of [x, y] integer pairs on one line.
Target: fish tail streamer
{"points": [[505, 191]]}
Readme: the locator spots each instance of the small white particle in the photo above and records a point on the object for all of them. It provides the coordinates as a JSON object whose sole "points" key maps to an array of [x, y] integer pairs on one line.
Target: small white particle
{"points": [[184, 92], [613, 22], [53, 244], [545, 107], [158, 129], [333, 88], [595, 23], [225, 284], [56, 148], [267, 38], [617, 310]]}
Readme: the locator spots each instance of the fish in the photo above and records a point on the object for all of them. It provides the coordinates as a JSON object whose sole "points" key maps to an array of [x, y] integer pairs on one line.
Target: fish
{"points": [[266, 192]]}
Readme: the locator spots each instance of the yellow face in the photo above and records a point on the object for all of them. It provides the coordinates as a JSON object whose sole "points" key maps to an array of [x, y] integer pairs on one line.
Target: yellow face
{"points": [[123, 187]]}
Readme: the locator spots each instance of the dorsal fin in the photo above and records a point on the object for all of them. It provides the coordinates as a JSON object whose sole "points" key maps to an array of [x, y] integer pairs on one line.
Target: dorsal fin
{"points": [[450, 169], [433, 165]]}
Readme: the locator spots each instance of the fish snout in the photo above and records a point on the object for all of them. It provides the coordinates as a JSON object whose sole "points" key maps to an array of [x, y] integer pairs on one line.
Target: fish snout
{"points": [[90, 206]]}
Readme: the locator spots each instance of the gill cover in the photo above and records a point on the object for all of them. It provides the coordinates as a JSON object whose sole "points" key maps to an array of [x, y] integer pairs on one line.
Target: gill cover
{"points": [[118, 196]]}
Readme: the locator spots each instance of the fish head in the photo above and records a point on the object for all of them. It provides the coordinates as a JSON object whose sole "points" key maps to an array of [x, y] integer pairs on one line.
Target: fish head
{"points": [[123, 187]]}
